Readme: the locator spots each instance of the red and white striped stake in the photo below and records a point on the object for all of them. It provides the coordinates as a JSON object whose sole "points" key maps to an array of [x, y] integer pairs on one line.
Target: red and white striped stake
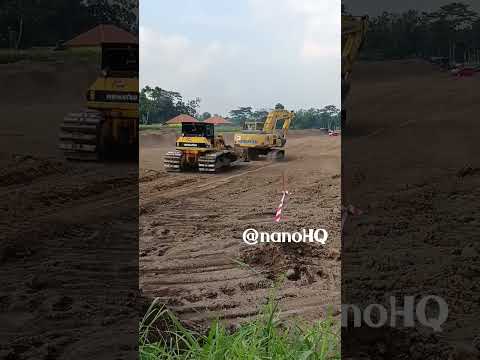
{"points": [[278, 211]]}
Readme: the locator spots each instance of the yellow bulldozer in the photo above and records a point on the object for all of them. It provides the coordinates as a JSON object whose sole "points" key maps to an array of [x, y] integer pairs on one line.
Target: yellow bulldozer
{"points": [[266, 139], [109, 125], [197, 148], [354, 31]]}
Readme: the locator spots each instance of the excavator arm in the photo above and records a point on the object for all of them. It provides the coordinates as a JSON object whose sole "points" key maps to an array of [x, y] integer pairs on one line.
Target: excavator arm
{"points": [[288, 121], [354, 31], [275, 116]]}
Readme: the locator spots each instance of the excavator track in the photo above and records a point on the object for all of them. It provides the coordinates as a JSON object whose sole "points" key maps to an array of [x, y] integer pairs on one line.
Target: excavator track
{"points": [[172, 161], [214, 161], [80, 135], [276, 155]]}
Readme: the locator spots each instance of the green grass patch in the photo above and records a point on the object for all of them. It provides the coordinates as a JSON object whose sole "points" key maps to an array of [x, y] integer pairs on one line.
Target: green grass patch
{"points": [[227, 128], [47, 54], [152, 127], [162, 336]]}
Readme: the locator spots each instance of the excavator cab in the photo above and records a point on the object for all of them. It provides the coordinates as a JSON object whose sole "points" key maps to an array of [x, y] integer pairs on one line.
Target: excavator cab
{"points": [[253, 126]]}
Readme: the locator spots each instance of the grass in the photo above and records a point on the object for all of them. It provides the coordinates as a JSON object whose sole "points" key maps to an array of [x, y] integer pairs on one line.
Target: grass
{"points": [[265, 337], [144, 127], [47, 54]]}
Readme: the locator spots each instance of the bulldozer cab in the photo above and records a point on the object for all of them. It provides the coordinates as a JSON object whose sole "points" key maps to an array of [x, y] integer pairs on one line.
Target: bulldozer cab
{"points": [[120, 60], [198, 129]]}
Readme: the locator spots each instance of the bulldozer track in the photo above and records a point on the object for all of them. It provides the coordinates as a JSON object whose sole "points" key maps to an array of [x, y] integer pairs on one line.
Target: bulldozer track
{"points": [[79, 135]]}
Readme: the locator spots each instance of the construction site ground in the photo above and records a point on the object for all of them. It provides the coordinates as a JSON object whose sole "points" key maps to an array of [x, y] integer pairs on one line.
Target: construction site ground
{"points": [[191, 251], [68, 230], [411, 164]]}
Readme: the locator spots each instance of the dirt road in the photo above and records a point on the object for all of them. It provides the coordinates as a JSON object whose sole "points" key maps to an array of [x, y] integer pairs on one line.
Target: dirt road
{"points": [[191, 250]]}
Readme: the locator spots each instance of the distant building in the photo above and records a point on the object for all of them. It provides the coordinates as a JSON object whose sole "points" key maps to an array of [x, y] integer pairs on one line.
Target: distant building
{"points": [[218, 120], [102, 34], [181, 119]]}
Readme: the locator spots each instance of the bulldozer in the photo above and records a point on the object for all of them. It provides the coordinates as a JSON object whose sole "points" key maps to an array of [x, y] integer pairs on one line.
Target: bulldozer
{"points": [[109, 124], [197, 148], [354, 31], [267, 139]]}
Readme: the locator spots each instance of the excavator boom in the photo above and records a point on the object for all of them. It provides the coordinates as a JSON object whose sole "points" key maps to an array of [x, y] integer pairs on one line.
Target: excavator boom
{"points": [[354, 31]]}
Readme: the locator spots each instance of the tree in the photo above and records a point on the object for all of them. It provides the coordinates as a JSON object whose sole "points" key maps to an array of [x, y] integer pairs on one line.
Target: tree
{"points": [[117, 12], [451, 31], [279, 107], [158, 105], [260, 115], [206, 115], [29, 22], [453, 19], [240, 115], [325, 118]]}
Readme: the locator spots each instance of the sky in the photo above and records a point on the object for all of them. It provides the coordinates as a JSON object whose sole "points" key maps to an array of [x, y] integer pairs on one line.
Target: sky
{"points": [[244, 52]]}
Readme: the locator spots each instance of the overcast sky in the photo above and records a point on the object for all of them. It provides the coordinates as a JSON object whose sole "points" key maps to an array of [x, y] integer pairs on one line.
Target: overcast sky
{"points": [[243, 52]]}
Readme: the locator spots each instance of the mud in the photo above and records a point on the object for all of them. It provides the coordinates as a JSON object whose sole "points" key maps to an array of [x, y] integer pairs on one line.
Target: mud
{"points": [[191, 251]]}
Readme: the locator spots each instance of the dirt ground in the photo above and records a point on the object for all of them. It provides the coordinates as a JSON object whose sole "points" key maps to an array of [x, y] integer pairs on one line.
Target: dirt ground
{"points": [[411, 163], [68, 230], [191, 251]]}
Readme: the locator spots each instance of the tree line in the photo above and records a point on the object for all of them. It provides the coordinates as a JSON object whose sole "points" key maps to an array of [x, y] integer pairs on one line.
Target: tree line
{"points": [[27, 23], [452, 31], [158, 106]]}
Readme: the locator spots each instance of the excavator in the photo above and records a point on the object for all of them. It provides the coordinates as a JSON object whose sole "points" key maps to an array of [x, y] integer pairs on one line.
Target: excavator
{"points": [[197, 148], [109, 125], [354, 31], [269, 139]]}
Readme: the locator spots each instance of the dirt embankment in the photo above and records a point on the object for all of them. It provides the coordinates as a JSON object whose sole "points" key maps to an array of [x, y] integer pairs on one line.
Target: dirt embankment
{"points": [[191, 250]]}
